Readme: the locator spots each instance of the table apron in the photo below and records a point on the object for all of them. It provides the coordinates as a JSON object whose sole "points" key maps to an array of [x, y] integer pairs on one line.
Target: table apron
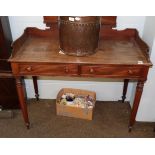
{"points": [[81, 70]]}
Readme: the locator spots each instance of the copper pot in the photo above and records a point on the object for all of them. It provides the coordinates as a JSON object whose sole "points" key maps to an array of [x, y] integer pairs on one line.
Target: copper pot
{"points": [[79, 35]]}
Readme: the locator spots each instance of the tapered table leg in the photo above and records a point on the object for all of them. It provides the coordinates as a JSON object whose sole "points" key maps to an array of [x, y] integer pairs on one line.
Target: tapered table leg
{"points": [[22, 101], [35, 87], [125, 87], [139, 90]]}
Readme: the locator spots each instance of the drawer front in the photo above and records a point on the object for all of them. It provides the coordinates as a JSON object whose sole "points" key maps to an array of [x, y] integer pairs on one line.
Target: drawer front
{"points": [[103, 71], [50, 69]]}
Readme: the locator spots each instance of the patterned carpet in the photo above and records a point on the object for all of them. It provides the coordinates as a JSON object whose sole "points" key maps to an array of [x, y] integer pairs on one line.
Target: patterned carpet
{"points": [[110, 120]]}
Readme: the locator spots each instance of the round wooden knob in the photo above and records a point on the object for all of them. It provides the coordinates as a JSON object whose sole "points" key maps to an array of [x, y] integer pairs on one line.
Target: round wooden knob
{"points": [[29, 68], [91, 70], [130, 71]]}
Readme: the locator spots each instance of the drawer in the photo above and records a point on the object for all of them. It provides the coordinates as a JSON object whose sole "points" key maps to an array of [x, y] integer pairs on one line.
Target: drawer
{"points": [[48, 69], [109, 71]]}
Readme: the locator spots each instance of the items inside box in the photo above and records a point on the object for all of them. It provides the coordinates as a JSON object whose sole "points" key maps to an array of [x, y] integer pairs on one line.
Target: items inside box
{"points": [[71, 99]]}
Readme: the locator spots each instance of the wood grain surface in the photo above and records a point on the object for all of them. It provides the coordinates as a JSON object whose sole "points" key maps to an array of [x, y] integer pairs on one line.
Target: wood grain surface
{"points": [[111, 51]]}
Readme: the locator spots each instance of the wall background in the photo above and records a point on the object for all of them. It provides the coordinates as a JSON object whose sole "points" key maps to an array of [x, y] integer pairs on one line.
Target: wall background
{"points": [[146, 110], [105, 88]]}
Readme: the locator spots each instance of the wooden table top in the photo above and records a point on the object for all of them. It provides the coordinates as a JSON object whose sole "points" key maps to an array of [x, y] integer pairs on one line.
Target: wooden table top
{"points": [[111, 51]]}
